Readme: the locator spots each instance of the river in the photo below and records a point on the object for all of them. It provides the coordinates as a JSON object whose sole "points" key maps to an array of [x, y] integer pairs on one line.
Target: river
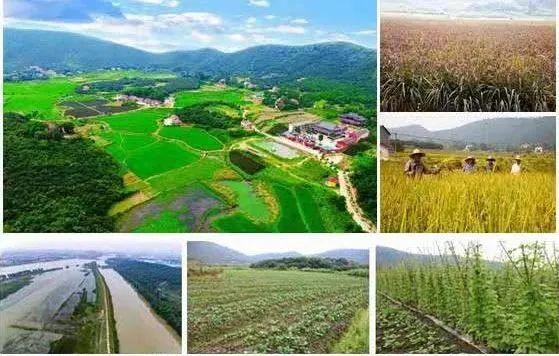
{"points": [[139, 329]]}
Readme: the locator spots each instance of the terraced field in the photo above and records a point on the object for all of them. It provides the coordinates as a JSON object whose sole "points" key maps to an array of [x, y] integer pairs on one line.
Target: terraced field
{"points": [[194, 177], [270, 311]]}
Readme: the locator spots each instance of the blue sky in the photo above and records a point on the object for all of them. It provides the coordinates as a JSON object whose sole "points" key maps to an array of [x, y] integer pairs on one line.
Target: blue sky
{"points": [[228, 25]]}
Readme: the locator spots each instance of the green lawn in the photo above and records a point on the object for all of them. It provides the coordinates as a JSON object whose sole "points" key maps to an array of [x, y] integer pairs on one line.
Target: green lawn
{"points": [[159, 158], [37, 95], [188, 98], [249, 203], [195, 137]]}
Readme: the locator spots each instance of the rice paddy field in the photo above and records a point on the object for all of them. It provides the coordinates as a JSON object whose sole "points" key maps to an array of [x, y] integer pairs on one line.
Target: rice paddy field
{"points": [[241, 310], [452, 201], [466, 65], [191, 178]]}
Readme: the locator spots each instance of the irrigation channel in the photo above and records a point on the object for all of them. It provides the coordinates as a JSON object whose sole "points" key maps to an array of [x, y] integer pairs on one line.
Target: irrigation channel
{"points": [[32, 317], [467, 341]]}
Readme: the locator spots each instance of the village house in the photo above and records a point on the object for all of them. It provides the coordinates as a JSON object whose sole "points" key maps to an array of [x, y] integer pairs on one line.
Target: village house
{"points": [[353, 119], [385, 147], [172, 121], [247, 125], [538, 149], [332, 182]]}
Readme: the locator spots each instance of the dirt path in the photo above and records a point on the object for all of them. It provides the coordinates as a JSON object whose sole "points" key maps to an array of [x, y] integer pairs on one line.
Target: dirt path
{"points": [[350, 194]]}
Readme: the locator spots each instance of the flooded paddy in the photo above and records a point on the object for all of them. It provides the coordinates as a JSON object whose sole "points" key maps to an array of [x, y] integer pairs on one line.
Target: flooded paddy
{"points": [[139, 329], [35, 315]]}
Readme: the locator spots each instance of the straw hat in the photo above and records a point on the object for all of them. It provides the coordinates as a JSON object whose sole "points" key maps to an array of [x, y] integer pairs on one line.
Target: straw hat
{"points": [[490, 158], [517, 158], [470, 158], [417, 152]]}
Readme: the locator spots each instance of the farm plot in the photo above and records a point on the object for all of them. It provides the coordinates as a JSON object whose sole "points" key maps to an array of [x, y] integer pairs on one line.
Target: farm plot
{"points": [[267, 311], [455, 202], [95, 107], [228, 96], [400, 332], [38, 96], [277, 149], [194, 137]]}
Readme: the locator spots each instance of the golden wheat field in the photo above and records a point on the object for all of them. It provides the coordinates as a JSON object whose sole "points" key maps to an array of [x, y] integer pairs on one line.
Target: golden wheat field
{"points": [[466, 65], [452, 201]]}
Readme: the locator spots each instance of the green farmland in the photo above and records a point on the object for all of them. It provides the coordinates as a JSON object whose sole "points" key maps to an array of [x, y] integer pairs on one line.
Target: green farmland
{"points": [[245, 310], [200, 176]]}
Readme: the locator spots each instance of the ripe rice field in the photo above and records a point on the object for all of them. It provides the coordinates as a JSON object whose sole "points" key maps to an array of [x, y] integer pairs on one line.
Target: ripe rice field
{"points": [[456, 202], [463, 65], [269, 311]]}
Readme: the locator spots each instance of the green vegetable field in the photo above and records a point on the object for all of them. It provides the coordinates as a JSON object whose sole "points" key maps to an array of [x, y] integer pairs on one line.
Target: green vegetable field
{"points": [[241, 310]]}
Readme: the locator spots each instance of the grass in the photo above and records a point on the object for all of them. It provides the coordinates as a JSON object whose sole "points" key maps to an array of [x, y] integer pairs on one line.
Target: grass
{"points": [[356, 338], [11, 286], [309, 209], [229, 96], [456, 202], [242, 310], [37, 95], [429, 65], [194, 137]]}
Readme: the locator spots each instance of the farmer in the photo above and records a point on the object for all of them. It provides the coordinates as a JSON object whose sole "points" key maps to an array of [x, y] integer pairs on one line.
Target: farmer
{"points": [[469, 165], [414, 166], [490, 165], [516, 168]]}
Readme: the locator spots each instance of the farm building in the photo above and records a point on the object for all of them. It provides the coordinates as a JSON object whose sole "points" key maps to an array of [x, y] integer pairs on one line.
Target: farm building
{"points": [[328, 129], [353, 119], [142, 101], [172, 121], [332, 182], [247, 125], [385, 146], [538, 149]]}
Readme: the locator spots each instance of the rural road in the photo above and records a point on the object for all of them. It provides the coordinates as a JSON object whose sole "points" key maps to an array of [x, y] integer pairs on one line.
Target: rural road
{"points": [[106, 312], [350, 194]]}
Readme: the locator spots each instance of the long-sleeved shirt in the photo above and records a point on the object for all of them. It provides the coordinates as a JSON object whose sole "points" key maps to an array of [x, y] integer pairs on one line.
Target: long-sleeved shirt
{"points": [[413, 168], [516, 169], [469, 167]]}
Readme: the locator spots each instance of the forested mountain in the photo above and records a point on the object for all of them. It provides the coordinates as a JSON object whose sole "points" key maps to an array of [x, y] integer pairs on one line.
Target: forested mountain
{"points": [[501, 131], [387, 256], [62, 51], [212, 253]]}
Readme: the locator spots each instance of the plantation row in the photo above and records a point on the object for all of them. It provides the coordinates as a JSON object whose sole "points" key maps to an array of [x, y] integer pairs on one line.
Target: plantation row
{"points": [[510, 306], [268, 311]]}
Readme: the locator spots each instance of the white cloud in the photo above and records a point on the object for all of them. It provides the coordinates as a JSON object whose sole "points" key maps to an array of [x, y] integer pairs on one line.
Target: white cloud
{"points": [[288, 29], [300, 22], [237, 37], [202, 37], [365, 33], [167, 3], [259, 3], [270, 17], [251, 20]]}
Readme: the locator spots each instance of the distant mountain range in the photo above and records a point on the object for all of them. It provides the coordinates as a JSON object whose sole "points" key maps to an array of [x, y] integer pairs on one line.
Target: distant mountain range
{"points": [[61, 51], [212, 253], [501, 131], [386, 257]]}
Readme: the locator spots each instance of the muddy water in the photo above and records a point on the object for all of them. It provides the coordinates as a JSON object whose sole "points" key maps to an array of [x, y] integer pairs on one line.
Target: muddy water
{"points": [[27, 316], [139, 329], [43, 265]]}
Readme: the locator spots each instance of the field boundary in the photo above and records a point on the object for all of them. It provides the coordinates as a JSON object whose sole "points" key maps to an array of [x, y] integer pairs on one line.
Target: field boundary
{"points": [[465, 339]]}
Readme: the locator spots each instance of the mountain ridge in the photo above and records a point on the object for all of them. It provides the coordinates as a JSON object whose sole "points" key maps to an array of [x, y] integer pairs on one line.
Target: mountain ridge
{"points": [[65, 51], [498, 131], [212, 253]]}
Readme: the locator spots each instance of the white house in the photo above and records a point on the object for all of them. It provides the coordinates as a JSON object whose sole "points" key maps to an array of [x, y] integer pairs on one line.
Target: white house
{"points": [[172, 121]]}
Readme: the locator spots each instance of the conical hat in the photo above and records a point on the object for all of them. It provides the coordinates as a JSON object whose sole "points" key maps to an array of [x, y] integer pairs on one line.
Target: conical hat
{"points": [[490, 158], [416, 152], [470, 158]]}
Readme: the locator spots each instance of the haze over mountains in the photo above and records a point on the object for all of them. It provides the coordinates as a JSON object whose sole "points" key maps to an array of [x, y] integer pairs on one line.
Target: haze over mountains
{"points": [[212, 253], [67, 51], [502, 131]]}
